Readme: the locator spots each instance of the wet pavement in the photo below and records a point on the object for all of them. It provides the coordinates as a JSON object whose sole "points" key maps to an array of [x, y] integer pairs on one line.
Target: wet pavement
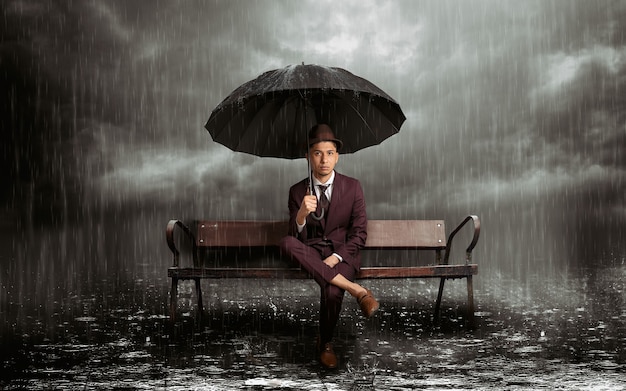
{"points": [[260, 335]]}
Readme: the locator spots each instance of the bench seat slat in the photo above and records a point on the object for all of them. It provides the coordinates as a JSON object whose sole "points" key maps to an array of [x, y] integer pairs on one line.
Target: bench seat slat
{"points": [[449, 271]]}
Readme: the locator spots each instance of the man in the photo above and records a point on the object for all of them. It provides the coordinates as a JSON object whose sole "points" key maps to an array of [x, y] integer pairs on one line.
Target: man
{"points": [[328, 248]]}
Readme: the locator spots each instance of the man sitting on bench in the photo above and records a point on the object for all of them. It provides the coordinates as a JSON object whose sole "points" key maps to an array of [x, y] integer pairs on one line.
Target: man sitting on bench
{"points": [[328, 249]]}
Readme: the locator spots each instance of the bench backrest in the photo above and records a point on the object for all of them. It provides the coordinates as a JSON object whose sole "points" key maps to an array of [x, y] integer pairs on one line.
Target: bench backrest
{"points": [[381, 234]]}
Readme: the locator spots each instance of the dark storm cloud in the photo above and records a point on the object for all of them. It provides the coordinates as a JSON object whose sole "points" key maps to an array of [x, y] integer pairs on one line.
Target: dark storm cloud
{"points": [[93, 87], [485, 63], [585, 116], [512, 108]]}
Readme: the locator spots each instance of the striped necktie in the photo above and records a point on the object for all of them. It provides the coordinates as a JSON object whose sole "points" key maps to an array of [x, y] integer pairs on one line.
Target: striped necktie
{"points": [[324, 202]]}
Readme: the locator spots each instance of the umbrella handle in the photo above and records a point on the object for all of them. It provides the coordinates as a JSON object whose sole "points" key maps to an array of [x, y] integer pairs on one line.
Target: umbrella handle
{"points": [[318, 218], [313, 215]]}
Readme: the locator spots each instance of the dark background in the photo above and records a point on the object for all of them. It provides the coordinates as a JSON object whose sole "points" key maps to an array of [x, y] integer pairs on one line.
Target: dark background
{"points": [[515, 112]]}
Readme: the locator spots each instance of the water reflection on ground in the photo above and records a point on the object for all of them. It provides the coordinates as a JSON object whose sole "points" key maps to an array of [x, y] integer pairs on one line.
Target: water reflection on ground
{"points": [[259, 335]]}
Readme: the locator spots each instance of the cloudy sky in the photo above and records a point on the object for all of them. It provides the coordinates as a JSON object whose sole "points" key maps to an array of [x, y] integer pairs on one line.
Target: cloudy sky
{"points": [[515, 112]]}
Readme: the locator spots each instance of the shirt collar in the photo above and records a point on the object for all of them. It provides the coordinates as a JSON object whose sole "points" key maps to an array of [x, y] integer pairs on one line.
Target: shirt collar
{"points": [[329, 182]]}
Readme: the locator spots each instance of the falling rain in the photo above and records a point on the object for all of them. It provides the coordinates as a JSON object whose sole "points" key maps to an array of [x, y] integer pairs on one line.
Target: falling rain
{"points": [[514, 113]]}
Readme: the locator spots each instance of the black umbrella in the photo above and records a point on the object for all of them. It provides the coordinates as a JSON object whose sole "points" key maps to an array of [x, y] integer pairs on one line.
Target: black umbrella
{"points": [[272, 114]]}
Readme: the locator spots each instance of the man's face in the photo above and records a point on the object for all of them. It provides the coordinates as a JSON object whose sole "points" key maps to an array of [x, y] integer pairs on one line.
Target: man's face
{"points": [[324, 157]]}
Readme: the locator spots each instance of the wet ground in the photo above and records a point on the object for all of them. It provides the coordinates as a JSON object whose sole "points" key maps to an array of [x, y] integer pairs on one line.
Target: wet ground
{"points": [[568, 334]]}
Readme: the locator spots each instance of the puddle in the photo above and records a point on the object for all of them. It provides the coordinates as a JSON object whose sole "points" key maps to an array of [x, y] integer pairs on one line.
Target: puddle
{"points": [[246, 341]]}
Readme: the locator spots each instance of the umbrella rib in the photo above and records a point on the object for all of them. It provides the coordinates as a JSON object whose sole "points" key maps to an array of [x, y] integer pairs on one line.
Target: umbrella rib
{"points": [[358, 113]]}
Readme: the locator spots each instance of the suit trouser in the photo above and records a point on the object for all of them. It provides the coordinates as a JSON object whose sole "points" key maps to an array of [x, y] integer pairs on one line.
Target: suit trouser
{"points": [[311, 258]]}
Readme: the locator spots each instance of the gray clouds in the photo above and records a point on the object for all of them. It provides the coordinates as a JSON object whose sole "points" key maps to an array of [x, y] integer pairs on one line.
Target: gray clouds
{"points": [[515, 111]]}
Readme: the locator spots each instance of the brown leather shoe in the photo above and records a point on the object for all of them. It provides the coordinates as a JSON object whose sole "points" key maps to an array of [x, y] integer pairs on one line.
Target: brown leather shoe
{"points": [[328, 358], [368, 303]]}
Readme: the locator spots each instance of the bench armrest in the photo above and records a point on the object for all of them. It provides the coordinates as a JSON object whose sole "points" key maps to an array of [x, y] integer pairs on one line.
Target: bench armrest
{"points": [[169, 236], [468, 251]]}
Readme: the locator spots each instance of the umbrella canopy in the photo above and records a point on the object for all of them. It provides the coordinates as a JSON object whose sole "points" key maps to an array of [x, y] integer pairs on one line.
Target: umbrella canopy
{"points": [[271, 115]]}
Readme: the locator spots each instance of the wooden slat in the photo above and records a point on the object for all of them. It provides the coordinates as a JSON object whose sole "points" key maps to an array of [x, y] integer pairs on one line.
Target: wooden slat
{"points": [[272, 273], [427, 234], [406, 233], [448, 271], [240, 233]]}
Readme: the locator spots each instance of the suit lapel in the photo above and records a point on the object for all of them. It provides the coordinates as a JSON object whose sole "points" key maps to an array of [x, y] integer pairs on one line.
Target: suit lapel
{"points": [[335, 201]]}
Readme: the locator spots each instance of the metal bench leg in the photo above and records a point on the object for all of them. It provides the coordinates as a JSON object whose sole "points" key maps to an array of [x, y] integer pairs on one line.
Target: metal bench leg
{"points": [[199, 296], [439, 296], [470, 298], [173, 299]]}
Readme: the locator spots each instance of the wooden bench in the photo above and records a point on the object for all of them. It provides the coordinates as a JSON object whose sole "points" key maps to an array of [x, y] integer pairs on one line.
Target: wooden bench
{"points": [[248, 249]]}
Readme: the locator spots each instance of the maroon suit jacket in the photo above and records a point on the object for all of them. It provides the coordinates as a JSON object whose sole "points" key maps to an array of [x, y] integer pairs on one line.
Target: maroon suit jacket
{"points": [[345, 224]]}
